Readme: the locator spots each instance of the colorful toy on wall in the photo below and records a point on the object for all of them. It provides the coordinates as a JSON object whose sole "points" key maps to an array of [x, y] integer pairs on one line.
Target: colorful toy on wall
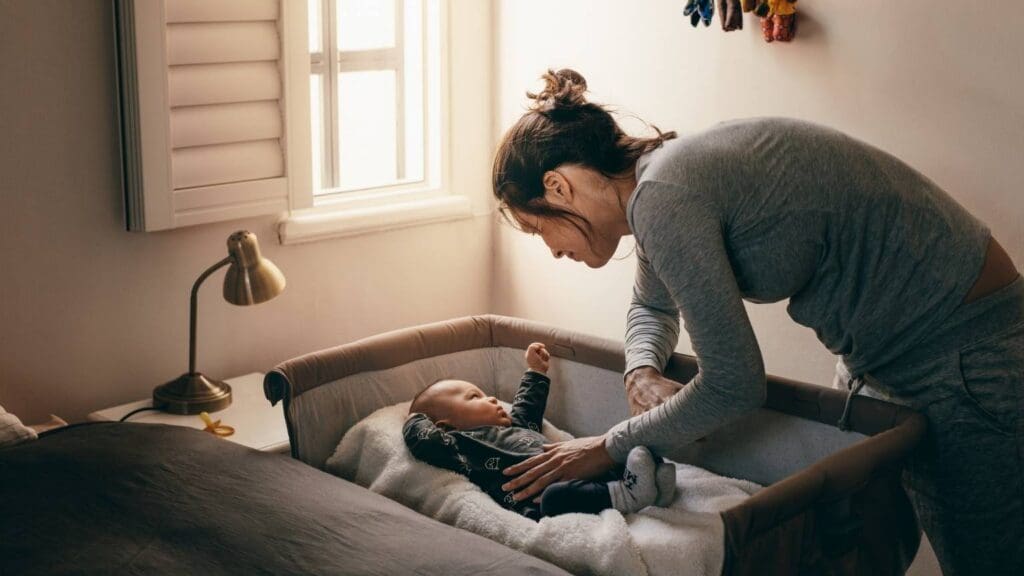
{"points": [[699, 10], [778, 17], [731, 14]]}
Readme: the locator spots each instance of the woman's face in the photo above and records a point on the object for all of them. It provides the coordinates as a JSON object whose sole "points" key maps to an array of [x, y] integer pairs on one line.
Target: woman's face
{"points": [[593, 235], [565, 239]]}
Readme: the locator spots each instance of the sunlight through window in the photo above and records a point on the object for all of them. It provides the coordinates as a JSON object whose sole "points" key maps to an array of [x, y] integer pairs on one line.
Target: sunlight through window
{"points": [[374, 93]]}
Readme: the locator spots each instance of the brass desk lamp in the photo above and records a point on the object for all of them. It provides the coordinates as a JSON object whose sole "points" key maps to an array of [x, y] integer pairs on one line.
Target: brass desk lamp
{"points": [[251, 279]]}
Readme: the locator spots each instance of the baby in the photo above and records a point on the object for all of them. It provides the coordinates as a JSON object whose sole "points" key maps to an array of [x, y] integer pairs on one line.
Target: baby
{"points": [[454, 425]]}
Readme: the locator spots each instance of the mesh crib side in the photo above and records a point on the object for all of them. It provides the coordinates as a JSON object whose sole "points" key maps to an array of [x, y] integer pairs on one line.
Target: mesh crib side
{"points": [[847, 514], [325, 392]]}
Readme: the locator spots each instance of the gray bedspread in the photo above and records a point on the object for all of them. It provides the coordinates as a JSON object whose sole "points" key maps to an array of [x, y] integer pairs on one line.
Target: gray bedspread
{"points": [[123, 498]]}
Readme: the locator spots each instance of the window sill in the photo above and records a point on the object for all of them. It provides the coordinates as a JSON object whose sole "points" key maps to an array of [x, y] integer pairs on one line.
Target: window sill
{"points": [[326, 223]]}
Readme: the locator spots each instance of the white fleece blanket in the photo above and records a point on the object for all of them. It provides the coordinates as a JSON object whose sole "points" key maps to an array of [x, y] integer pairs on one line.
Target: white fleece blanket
{"points": [[684, 539]]}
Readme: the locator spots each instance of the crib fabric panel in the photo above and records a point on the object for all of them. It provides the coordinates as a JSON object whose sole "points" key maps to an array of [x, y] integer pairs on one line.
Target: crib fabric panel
{"points": [[294, 377], [760, 447], [846, 514], [340, 405], [584, 400], [842, 512]]}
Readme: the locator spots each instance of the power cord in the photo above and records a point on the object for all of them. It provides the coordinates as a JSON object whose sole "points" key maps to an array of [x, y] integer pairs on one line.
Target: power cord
{"points": [[136, 411]]}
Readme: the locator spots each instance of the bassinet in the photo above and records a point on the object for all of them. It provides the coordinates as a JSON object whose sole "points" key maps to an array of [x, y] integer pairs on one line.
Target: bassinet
{"points": [[832, 502]]}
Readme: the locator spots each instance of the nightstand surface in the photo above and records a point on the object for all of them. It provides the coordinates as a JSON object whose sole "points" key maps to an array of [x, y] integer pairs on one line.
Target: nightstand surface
{"points": [[257, 424]]}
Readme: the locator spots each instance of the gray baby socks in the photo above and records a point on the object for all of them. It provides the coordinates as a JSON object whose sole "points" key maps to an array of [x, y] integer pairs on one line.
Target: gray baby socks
{"points": [[638, 488]]}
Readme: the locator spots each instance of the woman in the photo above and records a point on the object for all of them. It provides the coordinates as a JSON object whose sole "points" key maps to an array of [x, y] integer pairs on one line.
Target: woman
{"points": [[895, 277]]}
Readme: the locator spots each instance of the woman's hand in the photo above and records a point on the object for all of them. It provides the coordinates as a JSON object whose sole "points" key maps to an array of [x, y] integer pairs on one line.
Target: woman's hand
{"points": [[647, 388], [577, 459]]}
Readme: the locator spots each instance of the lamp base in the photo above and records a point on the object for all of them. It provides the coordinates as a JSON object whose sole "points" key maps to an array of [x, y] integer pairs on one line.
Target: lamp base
{"points": [[191, 394]]}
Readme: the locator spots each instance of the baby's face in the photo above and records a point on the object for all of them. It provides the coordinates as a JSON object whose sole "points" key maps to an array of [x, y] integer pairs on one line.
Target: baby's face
{"points": [[461, 405]]}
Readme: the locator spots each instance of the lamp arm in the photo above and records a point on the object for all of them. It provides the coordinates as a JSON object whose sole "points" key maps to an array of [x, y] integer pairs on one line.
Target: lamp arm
{"points": [[192, 315]]}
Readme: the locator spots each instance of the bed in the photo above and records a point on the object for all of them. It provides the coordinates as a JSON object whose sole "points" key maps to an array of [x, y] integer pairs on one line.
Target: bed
{"points": [[832, 501], [129, 498]]}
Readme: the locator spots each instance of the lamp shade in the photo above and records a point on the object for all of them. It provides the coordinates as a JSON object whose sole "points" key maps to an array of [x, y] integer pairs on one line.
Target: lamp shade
{"points": [[251, 278]]}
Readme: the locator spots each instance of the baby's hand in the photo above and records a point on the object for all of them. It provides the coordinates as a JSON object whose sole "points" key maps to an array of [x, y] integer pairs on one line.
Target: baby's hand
{"points": [[537, 357]]}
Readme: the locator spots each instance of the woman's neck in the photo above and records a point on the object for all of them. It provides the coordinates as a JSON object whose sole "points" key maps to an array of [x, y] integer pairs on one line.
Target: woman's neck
{"points": [[624, 186]]}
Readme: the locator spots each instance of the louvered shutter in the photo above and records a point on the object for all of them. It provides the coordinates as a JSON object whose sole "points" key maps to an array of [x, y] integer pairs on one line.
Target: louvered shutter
{"points": [[204, 114]]}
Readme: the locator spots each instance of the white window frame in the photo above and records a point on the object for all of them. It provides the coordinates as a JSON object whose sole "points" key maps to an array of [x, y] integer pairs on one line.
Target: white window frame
{"points": [[392, 58], [440, 197]]}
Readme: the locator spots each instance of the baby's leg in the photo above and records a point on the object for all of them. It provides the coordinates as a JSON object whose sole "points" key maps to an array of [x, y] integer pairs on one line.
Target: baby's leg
{"points": [[585, 496], [636, 489]]}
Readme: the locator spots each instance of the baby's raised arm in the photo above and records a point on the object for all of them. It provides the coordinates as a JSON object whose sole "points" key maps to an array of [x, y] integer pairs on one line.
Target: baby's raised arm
{"points": [[537, 357], [532, 398]]}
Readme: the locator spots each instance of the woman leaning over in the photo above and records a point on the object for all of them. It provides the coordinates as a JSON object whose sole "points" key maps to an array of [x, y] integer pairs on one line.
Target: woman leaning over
{"points": [[913, 294]]}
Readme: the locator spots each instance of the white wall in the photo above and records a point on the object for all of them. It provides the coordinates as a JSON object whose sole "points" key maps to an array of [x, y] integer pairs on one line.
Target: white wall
{"points": [[941, 87], [92, 316]]}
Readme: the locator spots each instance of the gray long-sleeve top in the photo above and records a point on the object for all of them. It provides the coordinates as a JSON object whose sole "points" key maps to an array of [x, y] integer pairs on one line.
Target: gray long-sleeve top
{"points": [[871, 254]]}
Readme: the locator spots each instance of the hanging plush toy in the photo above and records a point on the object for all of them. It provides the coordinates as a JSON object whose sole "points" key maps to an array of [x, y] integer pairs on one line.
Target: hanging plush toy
{"points": [[778, 18], [729, 12], [699, 10]]}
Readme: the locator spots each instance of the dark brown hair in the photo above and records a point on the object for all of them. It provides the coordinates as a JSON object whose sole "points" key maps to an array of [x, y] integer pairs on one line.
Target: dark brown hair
{"points": [[561, 127]]}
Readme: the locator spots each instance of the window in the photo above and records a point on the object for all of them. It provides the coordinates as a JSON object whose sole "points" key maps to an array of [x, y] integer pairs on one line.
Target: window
{"points": [[375, 79], [375, 95], [331, 112]]}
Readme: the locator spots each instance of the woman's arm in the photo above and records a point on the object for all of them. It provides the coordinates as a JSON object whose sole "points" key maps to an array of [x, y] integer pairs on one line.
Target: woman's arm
{"points": [[652, 323], [652, 332], [682, 235]]}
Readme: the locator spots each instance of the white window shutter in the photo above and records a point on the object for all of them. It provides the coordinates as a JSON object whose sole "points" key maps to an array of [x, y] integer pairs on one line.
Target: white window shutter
{"points": [[205, 110]]}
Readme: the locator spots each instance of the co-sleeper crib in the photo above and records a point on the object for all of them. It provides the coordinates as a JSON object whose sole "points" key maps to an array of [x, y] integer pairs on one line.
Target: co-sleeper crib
{"points": [[832, 502]]}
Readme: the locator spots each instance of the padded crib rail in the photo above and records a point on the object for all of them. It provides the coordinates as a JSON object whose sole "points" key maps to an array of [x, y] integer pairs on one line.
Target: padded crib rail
{"points": [[299, 375], [846, 514]]}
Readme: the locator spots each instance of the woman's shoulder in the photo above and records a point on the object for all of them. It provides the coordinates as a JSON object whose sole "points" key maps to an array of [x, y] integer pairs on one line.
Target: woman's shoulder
{"points": [[656, 206], [731, 157], [691, 157], [726, 144], [711, 164]]}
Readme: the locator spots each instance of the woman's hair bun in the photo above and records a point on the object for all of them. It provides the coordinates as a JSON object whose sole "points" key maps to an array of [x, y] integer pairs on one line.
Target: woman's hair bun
{"points": [[563, 90]]}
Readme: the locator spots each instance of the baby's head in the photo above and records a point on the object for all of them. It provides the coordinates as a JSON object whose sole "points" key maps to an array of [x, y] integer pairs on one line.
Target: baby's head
{"points": [[459, 405]]}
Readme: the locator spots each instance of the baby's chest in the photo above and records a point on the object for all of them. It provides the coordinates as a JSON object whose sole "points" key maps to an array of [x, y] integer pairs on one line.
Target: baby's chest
{"points": [[527, 442], [515, 441]]}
